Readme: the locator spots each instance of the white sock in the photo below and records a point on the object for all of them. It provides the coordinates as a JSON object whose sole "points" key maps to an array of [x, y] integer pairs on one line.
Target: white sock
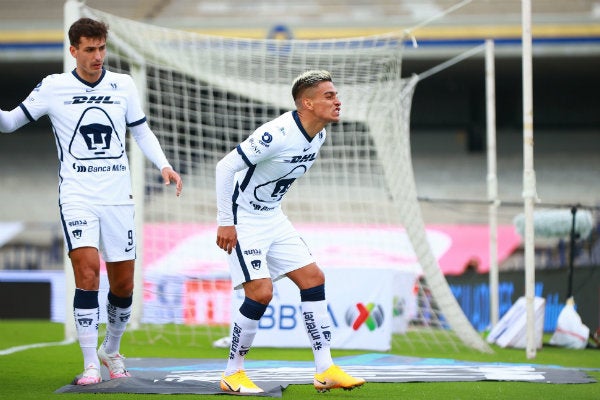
{"points": [[86, 324], [243, 330], [318, 328], [116, 324]]}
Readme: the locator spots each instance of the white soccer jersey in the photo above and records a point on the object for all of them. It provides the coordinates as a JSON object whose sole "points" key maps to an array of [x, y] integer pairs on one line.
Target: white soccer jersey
{"points": [[89, 123], [276, 154]]}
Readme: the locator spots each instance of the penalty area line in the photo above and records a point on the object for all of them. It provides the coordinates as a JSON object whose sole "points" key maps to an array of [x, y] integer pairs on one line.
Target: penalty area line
{"points": [[16, 349]]}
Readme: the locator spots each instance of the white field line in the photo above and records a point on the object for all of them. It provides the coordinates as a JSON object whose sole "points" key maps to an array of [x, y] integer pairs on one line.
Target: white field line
{"points": [[16, 349]]}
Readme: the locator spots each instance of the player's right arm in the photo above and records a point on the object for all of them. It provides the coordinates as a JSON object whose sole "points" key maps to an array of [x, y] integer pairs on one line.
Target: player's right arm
{"points": [[225, 174], [30, 109], [12, 120], [258, 146]]}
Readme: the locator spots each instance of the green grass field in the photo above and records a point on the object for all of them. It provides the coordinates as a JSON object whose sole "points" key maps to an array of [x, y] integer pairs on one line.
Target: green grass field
{"points": [[37, 372]]}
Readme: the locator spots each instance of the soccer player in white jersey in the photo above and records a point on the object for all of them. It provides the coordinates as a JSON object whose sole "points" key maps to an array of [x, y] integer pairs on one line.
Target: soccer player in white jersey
{"points": [[262, 244], [90, 109]]}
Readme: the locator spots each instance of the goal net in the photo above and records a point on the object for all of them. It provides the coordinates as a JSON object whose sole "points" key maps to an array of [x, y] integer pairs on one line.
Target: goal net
{"points": [[357, 207]]}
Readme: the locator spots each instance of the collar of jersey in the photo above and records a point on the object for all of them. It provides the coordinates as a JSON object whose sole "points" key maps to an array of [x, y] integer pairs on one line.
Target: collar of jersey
{"points": [[86, 82], [297, 119]]}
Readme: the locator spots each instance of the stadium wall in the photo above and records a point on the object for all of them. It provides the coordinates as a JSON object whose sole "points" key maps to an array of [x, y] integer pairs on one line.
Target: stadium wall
{"points": [[471, 291]]}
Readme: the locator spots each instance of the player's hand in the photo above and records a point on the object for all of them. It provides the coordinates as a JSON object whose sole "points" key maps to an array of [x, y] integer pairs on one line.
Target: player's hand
{"points": [[171, 176], [227, 238]]}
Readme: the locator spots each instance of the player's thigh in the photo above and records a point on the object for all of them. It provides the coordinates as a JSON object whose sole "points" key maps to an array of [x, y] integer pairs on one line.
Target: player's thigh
{"points": [[307, 276], [117, 232], [81, 226], [288, 252], [248, 261]]}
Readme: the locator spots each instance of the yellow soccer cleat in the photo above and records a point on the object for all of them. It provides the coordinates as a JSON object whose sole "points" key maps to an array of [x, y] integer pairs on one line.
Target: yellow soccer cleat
{"points": [[239, 382], [336, 378]]}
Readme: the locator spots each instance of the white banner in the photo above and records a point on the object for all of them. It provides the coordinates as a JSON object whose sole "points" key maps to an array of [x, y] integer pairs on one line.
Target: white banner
{"points": [[511, 330], [9, 230], [360, 303]]}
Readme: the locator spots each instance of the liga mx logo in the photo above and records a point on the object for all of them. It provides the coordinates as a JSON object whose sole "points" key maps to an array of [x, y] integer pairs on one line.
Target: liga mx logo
{"points": [[371, 315]]}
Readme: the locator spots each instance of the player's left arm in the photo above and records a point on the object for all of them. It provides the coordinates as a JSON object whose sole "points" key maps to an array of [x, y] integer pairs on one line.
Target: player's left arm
{"points": [[144, 136], [150, 146]]}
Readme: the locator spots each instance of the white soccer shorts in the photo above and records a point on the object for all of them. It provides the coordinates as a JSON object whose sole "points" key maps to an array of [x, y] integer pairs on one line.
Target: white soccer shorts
{"points": [[108, 228], [268, 247]]}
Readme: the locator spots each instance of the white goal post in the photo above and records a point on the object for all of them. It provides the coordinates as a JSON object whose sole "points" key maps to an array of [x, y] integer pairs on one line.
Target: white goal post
{"points": [[203, 94]]}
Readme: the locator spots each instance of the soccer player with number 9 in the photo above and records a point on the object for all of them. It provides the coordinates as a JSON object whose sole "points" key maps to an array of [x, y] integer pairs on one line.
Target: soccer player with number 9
{"points": [[91, 109]]}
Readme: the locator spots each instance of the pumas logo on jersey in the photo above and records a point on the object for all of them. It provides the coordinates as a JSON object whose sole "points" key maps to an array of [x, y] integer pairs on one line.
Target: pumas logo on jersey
{"points": [[95, 137], [77, 233], [255, 264], [273, 191]]}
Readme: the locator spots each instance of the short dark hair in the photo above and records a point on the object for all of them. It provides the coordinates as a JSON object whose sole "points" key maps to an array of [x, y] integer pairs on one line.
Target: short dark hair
{"points": [[309, 79], [87, 27]]}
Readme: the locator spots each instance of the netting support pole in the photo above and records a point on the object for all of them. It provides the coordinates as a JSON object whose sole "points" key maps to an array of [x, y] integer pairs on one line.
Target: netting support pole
{"points": [[71, 13], [492, 178], [137, 161], [529, 187], [138, 183]]}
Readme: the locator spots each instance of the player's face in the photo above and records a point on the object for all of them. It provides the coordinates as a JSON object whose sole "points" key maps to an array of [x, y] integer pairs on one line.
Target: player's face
{"points": [[89, 56], [326, 104]]}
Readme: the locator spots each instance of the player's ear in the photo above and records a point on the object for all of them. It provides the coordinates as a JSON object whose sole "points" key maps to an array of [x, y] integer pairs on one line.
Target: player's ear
{"points": [[307, 103], [73, 50]]}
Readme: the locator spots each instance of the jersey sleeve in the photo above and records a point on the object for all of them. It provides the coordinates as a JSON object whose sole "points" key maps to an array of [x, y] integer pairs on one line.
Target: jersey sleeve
{"points": [[37, 103], [225, 173], [148, 143], [135, 115], [262, 144]]}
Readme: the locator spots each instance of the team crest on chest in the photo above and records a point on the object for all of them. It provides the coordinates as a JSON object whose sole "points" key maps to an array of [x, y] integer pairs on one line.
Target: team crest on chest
{"points": [[95, 137]]}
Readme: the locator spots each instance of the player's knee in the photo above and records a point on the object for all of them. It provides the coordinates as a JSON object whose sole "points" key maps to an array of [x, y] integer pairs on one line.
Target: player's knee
{"points": [[318, 277], [311, 276], [259, 290], [263, 296], [122, 289], [87, 278]]}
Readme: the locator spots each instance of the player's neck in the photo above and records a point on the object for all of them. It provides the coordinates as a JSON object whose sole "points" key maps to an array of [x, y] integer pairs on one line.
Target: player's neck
{"points": [[90, 77], [311, 126]]}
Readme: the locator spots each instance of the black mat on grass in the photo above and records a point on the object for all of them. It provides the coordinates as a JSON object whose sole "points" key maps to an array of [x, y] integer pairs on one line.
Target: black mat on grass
{"points": [[201, 376]]}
